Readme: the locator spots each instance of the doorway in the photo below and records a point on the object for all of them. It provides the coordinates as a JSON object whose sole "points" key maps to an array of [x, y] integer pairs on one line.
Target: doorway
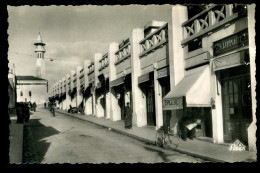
{"points": [[237, 105], [150, 106]]}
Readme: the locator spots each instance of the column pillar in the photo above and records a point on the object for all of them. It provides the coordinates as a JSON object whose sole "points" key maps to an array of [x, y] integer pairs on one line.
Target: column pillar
{"points": [[216, 111], [64, 91], [252, 52], [73, 102], [68, 101], [158, 99], [87, 99], [79, 96], [139, 101], [114, 107], [60, 91], [108, 104], [178, 15], [98, 107]]}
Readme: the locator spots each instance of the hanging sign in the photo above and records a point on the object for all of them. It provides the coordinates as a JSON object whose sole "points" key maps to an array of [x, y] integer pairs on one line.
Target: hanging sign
{"points": [[173, 103]]}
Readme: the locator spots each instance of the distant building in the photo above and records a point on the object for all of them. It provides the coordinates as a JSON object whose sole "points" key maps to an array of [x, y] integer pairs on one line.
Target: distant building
{"points": [[31, 88]]}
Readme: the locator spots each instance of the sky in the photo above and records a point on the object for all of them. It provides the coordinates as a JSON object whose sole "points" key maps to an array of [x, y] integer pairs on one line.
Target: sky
{"points": [[72, 34]]}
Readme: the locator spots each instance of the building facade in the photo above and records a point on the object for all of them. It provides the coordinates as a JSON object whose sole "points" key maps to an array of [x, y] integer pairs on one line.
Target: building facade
{"points": [[198, 63]]}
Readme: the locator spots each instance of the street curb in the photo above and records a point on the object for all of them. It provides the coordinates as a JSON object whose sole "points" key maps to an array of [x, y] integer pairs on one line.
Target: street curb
{"points": [[147, 140]]}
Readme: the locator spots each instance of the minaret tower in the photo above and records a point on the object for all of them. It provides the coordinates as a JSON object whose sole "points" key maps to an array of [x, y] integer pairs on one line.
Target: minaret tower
{"points": [[40, 50]]}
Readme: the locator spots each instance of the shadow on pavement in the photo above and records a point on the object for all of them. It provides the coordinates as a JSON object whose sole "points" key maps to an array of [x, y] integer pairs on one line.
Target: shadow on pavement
{"points": [[39, 132], [160, 153]]}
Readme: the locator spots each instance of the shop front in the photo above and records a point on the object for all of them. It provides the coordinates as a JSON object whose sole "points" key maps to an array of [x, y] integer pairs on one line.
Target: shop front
{"points": [[102, 90], [88, 100], [232, 66], [123, 92], [191, 98], [164, 82], [146, 83]]}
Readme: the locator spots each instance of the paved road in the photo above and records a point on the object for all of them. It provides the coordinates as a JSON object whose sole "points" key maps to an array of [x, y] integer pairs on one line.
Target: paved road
{"points": [[64, 139]]}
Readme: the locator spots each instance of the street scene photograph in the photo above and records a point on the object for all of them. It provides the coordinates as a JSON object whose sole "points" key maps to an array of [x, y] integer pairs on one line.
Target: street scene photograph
{"points": [[132, 83]]}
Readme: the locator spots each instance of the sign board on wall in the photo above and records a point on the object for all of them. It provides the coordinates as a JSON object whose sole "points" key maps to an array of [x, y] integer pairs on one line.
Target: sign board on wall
{"points": [[232, 42], [173, 103]]}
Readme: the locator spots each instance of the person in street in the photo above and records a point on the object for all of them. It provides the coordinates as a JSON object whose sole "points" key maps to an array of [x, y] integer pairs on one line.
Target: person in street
{"points": [[29, 105], [188, 127], [34, 106], [70, 109], [53, 108], [26, 112], [128, 116], [45, 105], [19, 113]]}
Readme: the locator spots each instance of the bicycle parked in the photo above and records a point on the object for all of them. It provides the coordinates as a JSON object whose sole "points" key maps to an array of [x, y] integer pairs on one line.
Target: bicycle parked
{"points": [[163, 132]]}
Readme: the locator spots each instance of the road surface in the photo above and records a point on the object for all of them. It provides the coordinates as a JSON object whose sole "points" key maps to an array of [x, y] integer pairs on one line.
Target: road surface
{"points": [[64, 139]]}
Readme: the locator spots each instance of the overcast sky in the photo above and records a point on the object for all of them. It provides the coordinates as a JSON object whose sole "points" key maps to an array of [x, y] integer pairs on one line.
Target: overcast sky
{"points": [[72, 33]]}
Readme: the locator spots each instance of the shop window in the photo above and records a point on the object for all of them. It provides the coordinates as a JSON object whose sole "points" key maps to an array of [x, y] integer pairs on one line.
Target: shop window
{"points": [[194, 45]]}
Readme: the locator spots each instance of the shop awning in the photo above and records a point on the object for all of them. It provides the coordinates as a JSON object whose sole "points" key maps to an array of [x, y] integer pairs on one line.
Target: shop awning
{"points": [[229, 61], [163, 72], [144, 78], [117, 82], [195, 87]]}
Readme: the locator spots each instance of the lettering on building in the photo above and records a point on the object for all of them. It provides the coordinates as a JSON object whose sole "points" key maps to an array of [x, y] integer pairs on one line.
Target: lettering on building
{"points": [[175, 103], [232, 42]]}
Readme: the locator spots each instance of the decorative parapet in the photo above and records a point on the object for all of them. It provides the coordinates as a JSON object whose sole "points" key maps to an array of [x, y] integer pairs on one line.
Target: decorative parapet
{"points": [[103, 63], [123, 53], [210, 19], [154, 40]]}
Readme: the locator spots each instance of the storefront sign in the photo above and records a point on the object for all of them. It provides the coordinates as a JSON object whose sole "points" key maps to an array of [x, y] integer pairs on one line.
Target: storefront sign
{"points": [[173, 103], [229, 43]]}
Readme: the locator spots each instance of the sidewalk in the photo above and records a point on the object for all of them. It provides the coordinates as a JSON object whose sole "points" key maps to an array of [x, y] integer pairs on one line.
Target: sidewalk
{"points": [[197, 148], [16, 141]]}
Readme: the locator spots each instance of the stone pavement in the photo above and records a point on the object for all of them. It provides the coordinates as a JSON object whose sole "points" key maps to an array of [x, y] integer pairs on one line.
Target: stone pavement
{"points": [[16, 141], [197, 148]]}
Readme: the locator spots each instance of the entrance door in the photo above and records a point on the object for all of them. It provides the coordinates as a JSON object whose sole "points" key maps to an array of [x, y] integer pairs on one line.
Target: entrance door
{"points": [[237, 107], [165, 83], [150, 105], [121, 102]]}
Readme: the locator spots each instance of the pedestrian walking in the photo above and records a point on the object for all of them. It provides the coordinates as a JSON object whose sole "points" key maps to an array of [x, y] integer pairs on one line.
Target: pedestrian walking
{"points": [[34, 106], [45, 105], [128, 116]]}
